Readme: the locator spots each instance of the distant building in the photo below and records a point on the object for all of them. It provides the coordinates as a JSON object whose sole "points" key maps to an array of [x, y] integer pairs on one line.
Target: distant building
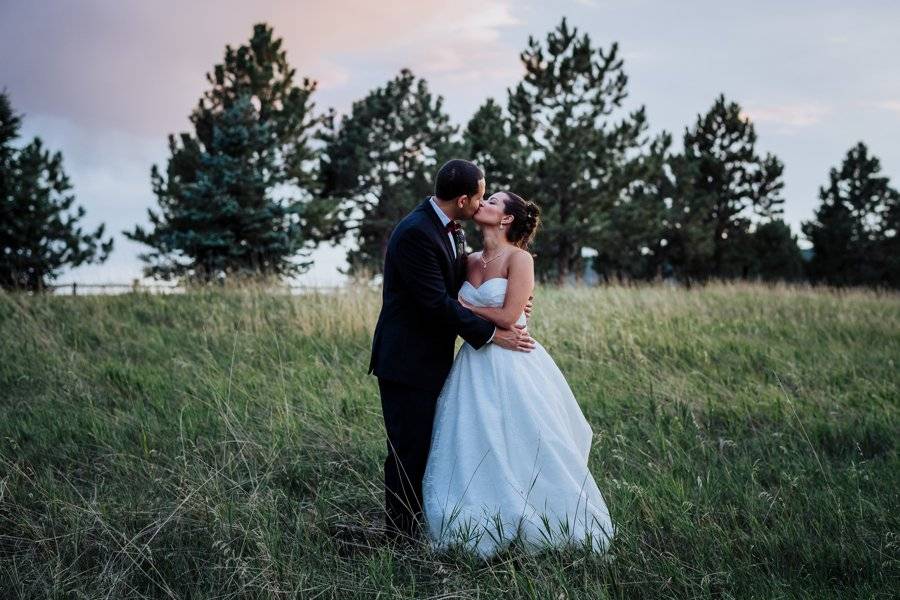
{"points": [[590, 276]]}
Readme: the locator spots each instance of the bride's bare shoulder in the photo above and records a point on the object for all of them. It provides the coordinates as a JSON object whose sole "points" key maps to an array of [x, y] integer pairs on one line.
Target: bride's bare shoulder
{"points": [[522, 257], [473, 258], [519, 263]]}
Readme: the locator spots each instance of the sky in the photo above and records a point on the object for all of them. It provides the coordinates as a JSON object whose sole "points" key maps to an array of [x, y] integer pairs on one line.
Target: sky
{"points": [[106, 81]]}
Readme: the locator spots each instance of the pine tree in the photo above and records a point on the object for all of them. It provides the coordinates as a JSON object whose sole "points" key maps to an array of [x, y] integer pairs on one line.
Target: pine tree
{"points": [[490, 144], [721, 184], [10, 123], [39, 231], [379, 162], [232, 200], [854, 232], [890, 246], [772, 253], [631, 240], [562, 112]]}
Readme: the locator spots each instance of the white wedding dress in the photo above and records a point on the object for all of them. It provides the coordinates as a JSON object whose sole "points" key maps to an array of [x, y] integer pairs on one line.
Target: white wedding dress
{"points": [[509, 452]]}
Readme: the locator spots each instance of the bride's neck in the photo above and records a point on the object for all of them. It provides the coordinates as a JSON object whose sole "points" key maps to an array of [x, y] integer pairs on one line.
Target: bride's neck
{"points": [[494, 240]]}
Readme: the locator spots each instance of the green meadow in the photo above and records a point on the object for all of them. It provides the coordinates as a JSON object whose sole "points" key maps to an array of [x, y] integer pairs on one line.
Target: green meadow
{"points": [[228, 444]]}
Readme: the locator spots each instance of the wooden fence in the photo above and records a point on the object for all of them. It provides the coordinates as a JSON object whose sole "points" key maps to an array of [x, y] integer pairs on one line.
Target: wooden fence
{"points": [[75, 288]]}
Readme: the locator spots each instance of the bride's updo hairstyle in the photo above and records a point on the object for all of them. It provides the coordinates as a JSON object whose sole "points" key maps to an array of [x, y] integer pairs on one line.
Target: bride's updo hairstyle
{"points": [[526, 218]]}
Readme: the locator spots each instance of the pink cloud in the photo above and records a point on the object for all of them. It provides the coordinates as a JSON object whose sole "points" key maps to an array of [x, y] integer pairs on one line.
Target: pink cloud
{"points": [[140, 67], [891, 105], [793, 115]]}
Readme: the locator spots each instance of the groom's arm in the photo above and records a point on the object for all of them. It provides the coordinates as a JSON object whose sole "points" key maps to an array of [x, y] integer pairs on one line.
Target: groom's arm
{"points": [[418, 263]]}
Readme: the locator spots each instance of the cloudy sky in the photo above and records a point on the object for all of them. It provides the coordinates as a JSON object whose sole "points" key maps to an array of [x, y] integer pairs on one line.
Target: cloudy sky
{"points": [[105, 81]]}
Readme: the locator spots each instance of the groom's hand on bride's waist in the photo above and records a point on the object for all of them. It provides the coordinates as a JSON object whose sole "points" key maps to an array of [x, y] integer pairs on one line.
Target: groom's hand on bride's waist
{"points": [[516, 338], [528, 306]]}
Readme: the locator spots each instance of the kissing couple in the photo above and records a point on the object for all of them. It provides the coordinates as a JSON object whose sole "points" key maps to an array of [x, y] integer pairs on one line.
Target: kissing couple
{"points": [[490, 448]]}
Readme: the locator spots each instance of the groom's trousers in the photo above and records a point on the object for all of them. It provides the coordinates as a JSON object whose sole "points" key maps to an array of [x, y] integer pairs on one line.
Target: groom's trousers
{"points": [[408, 419]]}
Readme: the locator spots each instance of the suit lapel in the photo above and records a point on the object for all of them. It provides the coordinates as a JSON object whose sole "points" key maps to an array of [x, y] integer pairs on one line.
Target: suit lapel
{"points": [[439, 228]]}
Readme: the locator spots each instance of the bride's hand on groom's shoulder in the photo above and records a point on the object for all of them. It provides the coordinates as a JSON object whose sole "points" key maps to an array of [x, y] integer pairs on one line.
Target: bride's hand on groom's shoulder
{"points": [[516, 338]]}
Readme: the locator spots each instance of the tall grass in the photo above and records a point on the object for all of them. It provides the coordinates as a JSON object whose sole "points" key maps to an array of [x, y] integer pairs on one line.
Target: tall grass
{"points": [[228, 444]]}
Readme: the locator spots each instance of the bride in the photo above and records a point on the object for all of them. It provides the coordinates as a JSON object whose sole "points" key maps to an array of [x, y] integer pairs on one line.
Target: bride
{"points": [[509, 450]]}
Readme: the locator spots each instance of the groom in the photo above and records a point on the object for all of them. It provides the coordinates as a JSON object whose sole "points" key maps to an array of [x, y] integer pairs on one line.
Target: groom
{"points": [[412, 350]]}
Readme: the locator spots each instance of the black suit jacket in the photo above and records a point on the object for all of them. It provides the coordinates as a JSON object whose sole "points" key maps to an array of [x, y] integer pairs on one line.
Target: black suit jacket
{"points": [[420, 317]]}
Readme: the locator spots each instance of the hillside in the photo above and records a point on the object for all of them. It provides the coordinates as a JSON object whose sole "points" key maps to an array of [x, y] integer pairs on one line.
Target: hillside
{"points": [[229, 444]]}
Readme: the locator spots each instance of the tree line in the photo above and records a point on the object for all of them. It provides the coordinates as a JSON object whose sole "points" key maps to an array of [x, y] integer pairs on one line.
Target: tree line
{"points": [[264, 177]]}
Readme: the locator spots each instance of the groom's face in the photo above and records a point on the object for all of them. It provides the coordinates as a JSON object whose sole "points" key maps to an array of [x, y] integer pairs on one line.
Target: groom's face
{"points": [[468, 205]]}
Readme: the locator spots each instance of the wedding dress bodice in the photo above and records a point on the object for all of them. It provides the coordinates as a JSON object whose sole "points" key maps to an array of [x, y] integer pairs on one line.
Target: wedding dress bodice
{"points": [[491, 293]]}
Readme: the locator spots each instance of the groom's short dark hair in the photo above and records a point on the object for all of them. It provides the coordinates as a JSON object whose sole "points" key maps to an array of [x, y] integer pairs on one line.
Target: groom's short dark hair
{"points": [[457, 178]]}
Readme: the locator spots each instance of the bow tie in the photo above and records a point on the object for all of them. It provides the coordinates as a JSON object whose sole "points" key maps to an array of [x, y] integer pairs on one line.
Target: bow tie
{"points": [[453, 226]]}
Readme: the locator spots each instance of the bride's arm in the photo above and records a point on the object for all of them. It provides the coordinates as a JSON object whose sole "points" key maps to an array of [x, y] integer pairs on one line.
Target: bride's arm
{"points": [[518, 290]]}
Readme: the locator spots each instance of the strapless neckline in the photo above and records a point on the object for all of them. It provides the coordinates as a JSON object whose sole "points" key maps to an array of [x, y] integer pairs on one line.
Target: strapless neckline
{"points": [[488, 296], [478, 287]]}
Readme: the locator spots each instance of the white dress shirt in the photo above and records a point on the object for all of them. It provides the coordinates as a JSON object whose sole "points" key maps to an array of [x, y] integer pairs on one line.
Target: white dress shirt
{"points": [[444, 220]]}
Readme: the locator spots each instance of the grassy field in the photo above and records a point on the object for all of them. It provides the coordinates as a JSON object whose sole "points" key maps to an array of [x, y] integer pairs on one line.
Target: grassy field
{"points": [[228, 444]]}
